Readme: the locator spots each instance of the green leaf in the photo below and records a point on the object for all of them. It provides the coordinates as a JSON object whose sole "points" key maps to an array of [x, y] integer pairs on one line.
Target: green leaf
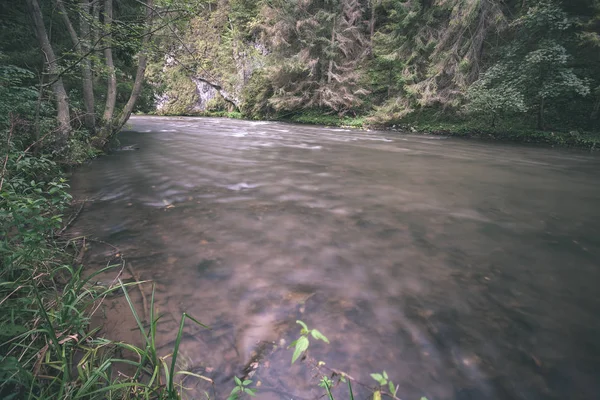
{"points": [[377, 377], [246, 382], [302, 324], [236, 389], [12, 330], [301, 346], [385, 375], [319, 336], [237, 381], [391, 386], [251, 392]]}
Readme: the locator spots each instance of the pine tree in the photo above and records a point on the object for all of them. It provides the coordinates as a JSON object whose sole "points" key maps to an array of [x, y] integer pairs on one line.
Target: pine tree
{"points": [[317, 51]]}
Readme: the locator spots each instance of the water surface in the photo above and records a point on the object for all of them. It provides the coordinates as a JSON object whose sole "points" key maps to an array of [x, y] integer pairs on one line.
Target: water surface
{"points": [[466, 270]]}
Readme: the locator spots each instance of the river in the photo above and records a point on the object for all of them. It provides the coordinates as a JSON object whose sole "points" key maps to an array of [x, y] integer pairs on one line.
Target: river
{"points": [[466, 270]]}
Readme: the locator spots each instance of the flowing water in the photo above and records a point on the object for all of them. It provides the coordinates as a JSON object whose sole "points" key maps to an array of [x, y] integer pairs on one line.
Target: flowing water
{"points": [[466, 270]]}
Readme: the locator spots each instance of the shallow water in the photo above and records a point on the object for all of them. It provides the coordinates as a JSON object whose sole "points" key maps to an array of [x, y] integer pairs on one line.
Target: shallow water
{"points": [[466, 270]]}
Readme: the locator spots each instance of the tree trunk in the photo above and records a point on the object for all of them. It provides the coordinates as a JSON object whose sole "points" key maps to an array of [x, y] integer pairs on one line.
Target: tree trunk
{"points": [[96, 21], [86, 67], [113, 125], [141, 70], [135, 91], [81, 45], [58, 88], [95, 34], [111, 92]]}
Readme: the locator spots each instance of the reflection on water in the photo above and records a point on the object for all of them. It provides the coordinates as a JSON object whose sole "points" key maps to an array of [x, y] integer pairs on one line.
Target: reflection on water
{"points": [[465, 270]]}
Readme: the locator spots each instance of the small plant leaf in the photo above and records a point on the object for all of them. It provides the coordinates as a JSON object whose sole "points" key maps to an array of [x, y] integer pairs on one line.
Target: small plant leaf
{"points": [[301, 346], [385, 375], [246, 382], [377, 395], [391, 386], [237, 381], [302, 324], [377, 377], [12, 330], [319, 336], [251, 392], [235, 390]]}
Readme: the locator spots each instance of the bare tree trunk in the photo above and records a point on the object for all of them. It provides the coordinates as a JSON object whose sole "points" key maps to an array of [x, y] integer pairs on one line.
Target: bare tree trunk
{"points": [[113, 125], [81, 45], [111, 92], [95, 27], [58, 87], [86, 67], [135, 93], [141, 70]]}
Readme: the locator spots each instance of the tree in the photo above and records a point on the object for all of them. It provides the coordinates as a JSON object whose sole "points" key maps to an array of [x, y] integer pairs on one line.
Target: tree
{"points": [[317, 49], [535, 67], [493, 102], [58, 87], [81, 43], [442, 43], [84, 49]]}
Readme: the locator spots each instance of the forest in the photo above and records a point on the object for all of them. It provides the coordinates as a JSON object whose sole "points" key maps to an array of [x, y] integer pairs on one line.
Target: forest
{"points": [[72, 72], [514, 67], [510, 64]]}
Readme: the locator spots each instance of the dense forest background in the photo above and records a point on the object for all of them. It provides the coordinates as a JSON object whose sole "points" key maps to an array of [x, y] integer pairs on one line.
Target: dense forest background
{"points": [[508, 64], [532, 64]]}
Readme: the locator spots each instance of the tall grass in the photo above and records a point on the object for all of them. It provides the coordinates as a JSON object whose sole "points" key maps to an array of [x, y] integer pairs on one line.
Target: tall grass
{"points": [[59, 357], [47, 348]]}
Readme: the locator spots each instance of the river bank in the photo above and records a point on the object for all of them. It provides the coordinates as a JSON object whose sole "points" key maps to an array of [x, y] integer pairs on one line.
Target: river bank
{"points": [[428, 125], [49, 347]]}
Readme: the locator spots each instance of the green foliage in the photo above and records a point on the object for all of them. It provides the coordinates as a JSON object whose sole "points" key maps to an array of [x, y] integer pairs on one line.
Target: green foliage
{"points": [[301, 344], [16, 94], [391, 112], [256, 95], [319, 117], [241, 387], [534, 70], [493, 102], [385, 381], [149, 360], [32, 199]]}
